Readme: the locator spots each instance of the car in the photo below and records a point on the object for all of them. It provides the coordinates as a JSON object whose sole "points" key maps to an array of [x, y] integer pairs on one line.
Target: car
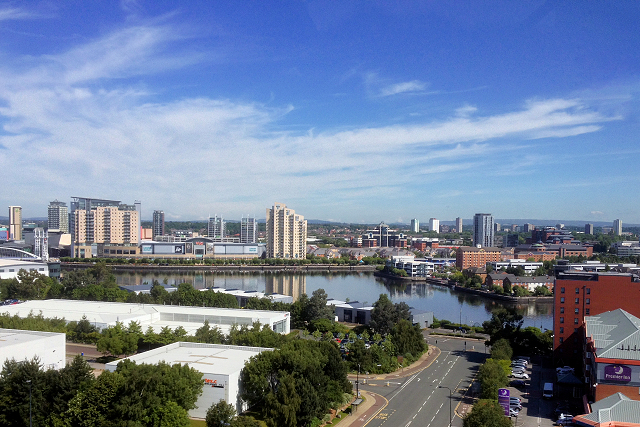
{"points": [[514, 405], [518, 383], [515, 399], [564, 422], [517, 371], [520, 361], [521, 365], [520, 376], [513, 412]]}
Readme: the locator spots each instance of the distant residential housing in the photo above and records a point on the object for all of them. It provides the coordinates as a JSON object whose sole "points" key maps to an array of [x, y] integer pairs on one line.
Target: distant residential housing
{"points": [[617, 227], [248, 229], [103, 222], [286, 233], [469, 256], [58, 216], [588, 229], [158, 224], [483, 230], [15, 223]]}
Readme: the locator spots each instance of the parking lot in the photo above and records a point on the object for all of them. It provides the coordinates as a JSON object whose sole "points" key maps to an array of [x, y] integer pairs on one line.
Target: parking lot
{"points": [[537, 411]]}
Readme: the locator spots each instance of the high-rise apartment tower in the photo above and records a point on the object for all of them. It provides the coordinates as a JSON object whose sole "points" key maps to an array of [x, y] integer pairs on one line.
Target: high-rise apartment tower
{"points": [[415, 226], [483, 230], [617, 227], [434, 225], [286, 233], [458, 225], [58, 216], [588, 229], [248, 228], [158, 224], [216, 229], [15, 223]]}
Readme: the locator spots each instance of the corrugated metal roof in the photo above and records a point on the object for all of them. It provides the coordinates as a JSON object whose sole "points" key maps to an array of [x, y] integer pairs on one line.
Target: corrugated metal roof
{"points": [[616, 334], [615, 408]]}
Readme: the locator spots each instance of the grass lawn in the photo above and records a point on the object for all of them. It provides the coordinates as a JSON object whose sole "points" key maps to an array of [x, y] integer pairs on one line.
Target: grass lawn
{"points": [[198, 423]]}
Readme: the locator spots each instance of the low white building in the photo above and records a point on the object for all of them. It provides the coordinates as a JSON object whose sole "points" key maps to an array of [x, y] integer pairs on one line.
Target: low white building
{"points": [[49, 347], [414, 267], [9, 268], [219, 364], [106, 314], [528, 266]]}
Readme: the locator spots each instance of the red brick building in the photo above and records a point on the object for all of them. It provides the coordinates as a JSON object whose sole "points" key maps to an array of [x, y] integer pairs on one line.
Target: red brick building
{"points": [[469, 256], [580, 294]]}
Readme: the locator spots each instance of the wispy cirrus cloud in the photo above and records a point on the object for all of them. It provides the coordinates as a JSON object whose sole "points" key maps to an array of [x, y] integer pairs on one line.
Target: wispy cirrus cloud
{"points": [[15, 13], [404, 87]]}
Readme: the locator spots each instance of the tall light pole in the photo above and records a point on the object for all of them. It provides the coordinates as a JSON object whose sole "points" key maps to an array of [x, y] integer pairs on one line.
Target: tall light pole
{"points": [[29, 382], [450, 398], [357, 382]]}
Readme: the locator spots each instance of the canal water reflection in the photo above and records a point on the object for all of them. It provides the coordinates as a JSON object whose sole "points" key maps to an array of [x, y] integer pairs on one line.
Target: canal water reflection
{"points": [[363, 287]]}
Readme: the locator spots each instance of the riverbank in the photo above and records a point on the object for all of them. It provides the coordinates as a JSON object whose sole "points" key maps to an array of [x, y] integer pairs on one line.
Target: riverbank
{"points": [[309, 268]]}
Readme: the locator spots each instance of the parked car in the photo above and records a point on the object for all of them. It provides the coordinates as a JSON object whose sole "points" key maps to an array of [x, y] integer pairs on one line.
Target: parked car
{"points": [[520, 376], [515, 399], [523, 365], [515, 405], [564, 422], [513, 412], [518, 371], [521, 384]]}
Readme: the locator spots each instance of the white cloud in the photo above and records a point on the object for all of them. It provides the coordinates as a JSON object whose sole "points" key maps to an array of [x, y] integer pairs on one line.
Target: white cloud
{"points": [[14, 13], [405, 87], [79, 129]]}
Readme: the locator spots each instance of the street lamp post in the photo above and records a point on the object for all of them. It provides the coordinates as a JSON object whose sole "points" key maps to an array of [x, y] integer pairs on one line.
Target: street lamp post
{"points": [[29, 382], [450, 398], [357, 383]]}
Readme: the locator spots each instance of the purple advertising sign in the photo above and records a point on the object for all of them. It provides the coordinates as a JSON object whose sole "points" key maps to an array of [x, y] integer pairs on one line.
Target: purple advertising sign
{"points": [[617, 373], [503, 399]]}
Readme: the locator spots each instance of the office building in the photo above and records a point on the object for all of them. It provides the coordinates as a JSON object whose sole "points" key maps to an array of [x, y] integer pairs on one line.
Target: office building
{"points": [[248, 228], [434, 225], [158, 224], [588, 229], [286, 233], [483, 230], [58, 217], [617, 227], [415, 226], [15, 223], [497, 227], [580, 294], [48, 347], [100, 221], [458, 225], [219, 364], [216, 229]]}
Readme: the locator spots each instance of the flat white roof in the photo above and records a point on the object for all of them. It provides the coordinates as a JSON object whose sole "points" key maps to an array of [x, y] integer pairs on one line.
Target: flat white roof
{"points": [[5, 262], [205, 358], [11, 337], [104, 314]]}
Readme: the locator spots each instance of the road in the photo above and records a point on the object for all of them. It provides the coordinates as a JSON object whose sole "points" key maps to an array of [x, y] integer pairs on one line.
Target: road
{"points": [[423, 399]]}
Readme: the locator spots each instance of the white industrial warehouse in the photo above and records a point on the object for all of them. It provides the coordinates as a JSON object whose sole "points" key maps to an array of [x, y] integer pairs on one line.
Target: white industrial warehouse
{"points": [[106, 314], [220, 366], [48, 347]]}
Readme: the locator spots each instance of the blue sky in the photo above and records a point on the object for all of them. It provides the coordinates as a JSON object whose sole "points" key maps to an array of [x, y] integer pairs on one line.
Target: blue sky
{"points": [[346, 111]]}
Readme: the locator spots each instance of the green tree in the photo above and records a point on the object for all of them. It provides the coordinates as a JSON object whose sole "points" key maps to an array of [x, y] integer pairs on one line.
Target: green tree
{"points": [[318, 308], [491, 376], [486, 413], [220, 414], [501, 350], [408, 338]]}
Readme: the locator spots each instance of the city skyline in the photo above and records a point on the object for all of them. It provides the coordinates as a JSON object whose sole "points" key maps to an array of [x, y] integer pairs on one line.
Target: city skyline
{"points": [[347, 112]]}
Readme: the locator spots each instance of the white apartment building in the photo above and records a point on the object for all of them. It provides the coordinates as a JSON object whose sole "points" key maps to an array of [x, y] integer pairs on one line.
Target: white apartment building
{"points": [[286, 233], [415, 226], [58, 217], [15, 223], [434, 225]]}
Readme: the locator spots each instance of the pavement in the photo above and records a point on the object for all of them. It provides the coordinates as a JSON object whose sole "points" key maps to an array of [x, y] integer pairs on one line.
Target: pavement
{"points": [[373, 403]]}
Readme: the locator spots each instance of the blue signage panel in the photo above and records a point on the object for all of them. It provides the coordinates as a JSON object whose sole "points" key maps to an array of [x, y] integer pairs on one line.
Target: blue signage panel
{"points": [[504, 397]]}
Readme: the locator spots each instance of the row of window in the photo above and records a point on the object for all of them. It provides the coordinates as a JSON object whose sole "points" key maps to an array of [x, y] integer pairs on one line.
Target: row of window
{"points": [[587, 290], [577, 300], [575, 320], [12, 270], [587, 311]]}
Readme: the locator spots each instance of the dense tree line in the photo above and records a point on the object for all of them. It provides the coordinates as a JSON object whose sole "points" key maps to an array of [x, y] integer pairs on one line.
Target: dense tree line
{"points": [[134, 395]]}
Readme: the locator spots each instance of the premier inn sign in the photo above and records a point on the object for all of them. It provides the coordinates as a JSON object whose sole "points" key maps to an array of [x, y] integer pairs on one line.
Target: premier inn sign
{"points": [[617, 373]]}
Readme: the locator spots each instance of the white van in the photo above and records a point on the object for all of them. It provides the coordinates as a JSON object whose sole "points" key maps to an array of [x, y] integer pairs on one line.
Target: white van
{"points": [[547, 391]]}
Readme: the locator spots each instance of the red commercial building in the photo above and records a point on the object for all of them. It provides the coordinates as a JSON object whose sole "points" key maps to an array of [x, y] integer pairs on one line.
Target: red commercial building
{"points": [[580, 294]]}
